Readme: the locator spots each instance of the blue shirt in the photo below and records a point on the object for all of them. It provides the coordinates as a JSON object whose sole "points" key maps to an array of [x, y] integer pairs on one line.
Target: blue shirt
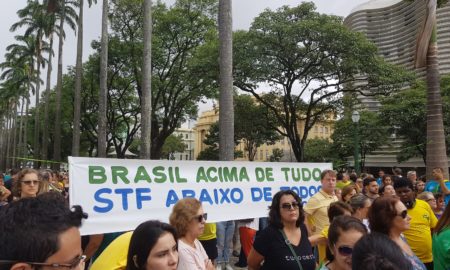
{"points": [[434, 187]]}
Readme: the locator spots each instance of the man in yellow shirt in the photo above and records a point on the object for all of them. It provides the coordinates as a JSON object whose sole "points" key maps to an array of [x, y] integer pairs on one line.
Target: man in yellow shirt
{"points": [[422, 222], [316, 208]]}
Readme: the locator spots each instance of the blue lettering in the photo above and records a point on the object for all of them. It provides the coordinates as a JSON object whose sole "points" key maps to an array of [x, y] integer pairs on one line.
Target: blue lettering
{"points": [[267, 194], [204, 197], [256, 194], [237, 191], [172, 198], [124, 192], [140, 197], [98, 198]]}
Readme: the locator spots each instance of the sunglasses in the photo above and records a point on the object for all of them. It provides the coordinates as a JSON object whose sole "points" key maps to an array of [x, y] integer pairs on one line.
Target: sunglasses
{"points": [[403, 214], [72, 265], [289, 206], [345, 251], [29, 182], [201, 217]]}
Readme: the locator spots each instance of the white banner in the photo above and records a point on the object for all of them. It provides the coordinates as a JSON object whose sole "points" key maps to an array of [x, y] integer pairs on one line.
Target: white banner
{"points": [[119, 194]]}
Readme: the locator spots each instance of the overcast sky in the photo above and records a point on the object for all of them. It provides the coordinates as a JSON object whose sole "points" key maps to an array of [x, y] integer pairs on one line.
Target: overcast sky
{"points": [[243, 13]]}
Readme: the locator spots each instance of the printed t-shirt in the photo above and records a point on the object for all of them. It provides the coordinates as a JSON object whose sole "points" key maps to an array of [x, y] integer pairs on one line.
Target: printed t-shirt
{"points": [[434, 187], [277, 255], [114, 257], [441, 250], [317, 209], [419, 233]]}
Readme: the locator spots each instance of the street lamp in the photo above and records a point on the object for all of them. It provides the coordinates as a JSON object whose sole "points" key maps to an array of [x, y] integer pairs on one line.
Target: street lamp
{"points": [[355, 119]]}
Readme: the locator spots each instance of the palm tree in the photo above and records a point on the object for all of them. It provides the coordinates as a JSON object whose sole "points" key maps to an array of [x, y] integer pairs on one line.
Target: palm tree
{"points": [[226, 113], [78, 79], [427, 56], [67, 15], [34, 17], [146, 102], [102, 118]]}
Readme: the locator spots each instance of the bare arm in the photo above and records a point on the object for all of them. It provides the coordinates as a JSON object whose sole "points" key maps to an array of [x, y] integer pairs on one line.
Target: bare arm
{"points": [[94, 243], [317, 239], [254, 260], [444, 188]]}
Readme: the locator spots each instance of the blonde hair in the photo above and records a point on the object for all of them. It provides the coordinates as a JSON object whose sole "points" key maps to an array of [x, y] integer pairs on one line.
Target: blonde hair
{"points": [[182, 214]]}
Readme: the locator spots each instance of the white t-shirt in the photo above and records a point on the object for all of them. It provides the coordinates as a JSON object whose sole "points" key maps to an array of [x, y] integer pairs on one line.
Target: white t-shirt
{"points": [[190, 258]]}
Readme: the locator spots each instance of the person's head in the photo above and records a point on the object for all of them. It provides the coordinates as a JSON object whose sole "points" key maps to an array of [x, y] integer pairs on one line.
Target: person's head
{"points": [[348, 192], [353, 177], [387, 190], [40, 230], [360, 205], [338, 193], [370, 186], [377, 251], [286, 208], [339, 176], [429, 198], [412, 176], [338, 209], [388, 215], [386, 179], [381, 173], [188, 217], [405, 191], [359, 184], [438, 173], [328, 181], [153, 246], [397, 171], [440, 202], [14, 173], [343, 233], [27, 184]]}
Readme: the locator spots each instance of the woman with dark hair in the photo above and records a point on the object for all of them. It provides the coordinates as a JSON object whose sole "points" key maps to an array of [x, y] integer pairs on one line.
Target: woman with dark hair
{"points": [[387, 190], [389, 216], [153, 246], [27, 184], [344, 232], [377, 251], [348, 192], [387, 180], [284, 243], [441, 242], [189, 220]]}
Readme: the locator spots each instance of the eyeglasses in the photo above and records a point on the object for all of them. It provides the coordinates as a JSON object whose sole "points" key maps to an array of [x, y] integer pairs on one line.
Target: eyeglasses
{"points": [[29, 182], [289, 206], [345, 250], [403, 214], [72, 265], [201, 217]]}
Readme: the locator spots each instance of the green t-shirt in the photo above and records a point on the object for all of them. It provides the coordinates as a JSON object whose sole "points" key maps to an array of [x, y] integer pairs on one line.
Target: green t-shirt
{"points": [[441, 250]]}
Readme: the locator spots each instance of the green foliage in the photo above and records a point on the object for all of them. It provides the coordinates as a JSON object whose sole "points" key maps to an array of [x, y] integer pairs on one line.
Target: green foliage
{"points": [[173, 144], [371, 133], [211, 152], [252, 125], [405, 113], [277, 155], [318, 150]]}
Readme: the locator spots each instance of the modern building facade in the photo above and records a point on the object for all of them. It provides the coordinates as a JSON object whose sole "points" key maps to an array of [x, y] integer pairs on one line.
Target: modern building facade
{"points": [[393, 26]]}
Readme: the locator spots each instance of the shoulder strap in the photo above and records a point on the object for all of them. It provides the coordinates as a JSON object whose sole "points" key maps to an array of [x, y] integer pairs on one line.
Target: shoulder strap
{"points": [[291, 248]]}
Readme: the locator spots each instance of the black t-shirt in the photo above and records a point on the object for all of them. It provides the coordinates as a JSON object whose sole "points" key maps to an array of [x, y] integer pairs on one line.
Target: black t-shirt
{"points": [[277, 255]]}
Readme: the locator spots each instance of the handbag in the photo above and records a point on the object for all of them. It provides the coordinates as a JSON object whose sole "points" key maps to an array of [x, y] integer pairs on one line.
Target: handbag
{"points": [[291, 248]]}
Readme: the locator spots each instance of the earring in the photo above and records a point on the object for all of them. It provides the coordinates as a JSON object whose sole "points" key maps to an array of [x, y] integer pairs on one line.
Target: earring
{"points": [[135, 261]]}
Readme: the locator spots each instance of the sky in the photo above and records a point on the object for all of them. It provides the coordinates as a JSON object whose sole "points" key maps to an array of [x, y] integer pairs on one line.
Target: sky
{"points": [[244, 11]]}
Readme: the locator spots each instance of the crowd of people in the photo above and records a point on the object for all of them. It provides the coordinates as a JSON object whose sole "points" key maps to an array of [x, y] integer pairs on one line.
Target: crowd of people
{"points": [[353, 222]]}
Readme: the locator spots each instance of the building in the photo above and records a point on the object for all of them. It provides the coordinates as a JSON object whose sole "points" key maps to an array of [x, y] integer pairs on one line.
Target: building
{"points": [[393, 26], [322, 130], [188, 138]]}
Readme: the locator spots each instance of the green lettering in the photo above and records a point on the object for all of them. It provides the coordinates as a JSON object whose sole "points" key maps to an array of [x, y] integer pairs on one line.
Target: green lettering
{"points": [[142, 175], [230, 175], [160, 176], [269, 175], [243, 175], [316, 174], [208, 173], [306, 174], [178, 177], [286, 173], [97, 175], [296, 174], [119, 172], [201, 175], [259, 173]]}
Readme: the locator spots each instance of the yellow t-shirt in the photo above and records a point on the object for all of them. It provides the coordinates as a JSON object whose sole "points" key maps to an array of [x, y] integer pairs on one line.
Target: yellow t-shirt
{"points": [[209, 232], [419, 233], [317, 210], [342, 184], [323, 247], [114, 257]]}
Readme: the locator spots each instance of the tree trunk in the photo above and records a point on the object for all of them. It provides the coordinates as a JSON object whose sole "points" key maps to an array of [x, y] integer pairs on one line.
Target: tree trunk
{"points": [[78, 80], [14, 141], [57, 129], [146, 100], [45, 135], [21, 143], [25, 130], [102, 118], [8, 140], [226, 112], [36, 113], [436, 148]]}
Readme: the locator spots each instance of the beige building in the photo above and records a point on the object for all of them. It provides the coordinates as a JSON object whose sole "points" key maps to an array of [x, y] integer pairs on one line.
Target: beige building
{"points": [[188, 138], [321, 130]]}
